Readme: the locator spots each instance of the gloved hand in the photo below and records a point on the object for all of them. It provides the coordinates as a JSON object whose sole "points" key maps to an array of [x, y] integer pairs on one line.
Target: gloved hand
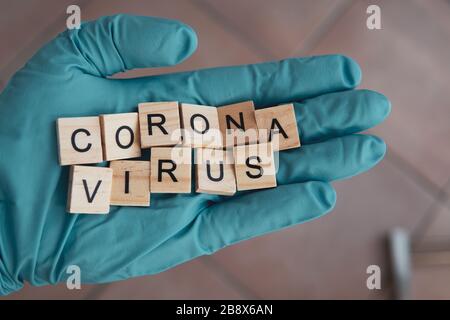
{"points": [[68, 77]]}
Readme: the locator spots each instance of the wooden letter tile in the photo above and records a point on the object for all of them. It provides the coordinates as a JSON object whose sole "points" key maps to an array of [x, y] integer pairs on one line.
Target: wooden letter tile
{"points": [[238, 124], [121, 136], [200, 126], [89, 189], [254, 166], [159, 124], [131, 183], [215, 172], [79, 140], [278, 124], [170, 170]]}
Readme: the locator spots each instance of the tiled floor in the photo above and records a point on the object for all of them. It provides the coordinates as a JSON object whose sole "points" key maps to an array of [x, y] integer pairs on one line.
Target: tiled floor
{"points": [[407, 60], [25, 27], [432, 258], [275, 31], [404, 61], [434, 232], [327, 258], [194, 280]]}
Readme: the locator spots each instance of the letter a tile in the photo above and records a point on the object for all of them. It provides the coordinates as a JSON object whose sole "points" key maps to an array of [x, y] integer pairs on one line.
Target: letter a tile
{"points": [[278, 125]]}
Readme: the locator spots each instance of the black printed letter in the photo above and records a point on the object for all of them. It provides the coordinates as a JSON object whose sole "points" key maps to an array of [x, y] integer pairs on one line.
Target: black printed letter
{"points": [[89, 197], [157, 124], [208, 172], [254, 166], [197, 115], [230, 120], [168, 171], [126, 146], [279, 129], [74, 145]]}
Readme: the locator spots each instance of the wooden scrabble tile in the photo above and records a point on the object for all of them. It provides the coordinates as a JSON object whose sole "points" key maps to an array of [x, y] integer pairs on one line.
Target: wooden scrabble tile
{"points": [[89, 189], [131, 183], [159, 124], [278, 125], [200, 126], [215, 171], [170, 170], [79, 140], [238, 124], [254, 166], [121, 136]]}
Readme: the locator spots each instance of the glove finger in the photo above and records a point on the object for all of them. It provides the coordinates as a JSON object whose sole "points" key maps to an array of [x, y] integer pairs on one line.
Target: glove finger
{"points": [[267, 84], [242, 217], [338, 114], [127, 235], [117, 43], [334, 159], [259, 212]]}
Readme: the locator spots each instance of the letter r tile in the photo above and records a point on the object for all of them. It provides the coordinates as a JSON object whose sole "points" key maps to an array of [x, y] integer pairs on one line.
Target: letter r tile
{"points": [[159, 124], [170, 170]]}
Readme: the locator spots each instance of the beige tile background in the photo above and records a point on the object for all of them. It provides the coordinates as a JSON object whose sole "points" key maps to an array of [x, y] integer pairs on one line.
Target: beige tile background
{"points": [[407, 60]]}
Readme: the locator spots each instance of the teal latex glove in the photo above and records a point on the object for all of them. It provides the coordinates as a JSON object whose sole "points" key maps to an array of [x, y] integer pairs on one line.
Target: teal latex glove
{"points": [[67, 77]]}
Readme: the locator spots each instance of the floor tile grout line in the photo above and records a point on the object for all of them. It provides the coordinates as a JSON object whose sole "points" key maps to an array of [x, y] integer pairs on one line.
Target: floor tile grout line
{"points": [[230, 279], [393, 157], [420, 228], [325, 25], [35, 43], [428, 186], [438, 194], [235, 31]]}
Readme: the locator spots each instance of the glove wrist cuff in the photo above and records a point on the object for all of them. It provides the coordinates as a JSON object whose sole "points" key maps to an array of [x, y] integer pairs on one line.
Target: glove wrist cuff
{"points": [[7, 285]]}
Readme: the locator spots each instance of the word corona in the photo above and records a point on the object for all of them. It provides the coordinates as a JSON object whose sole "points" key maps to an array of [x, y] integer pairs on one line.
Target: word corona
{"points": [[232, 148]]}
